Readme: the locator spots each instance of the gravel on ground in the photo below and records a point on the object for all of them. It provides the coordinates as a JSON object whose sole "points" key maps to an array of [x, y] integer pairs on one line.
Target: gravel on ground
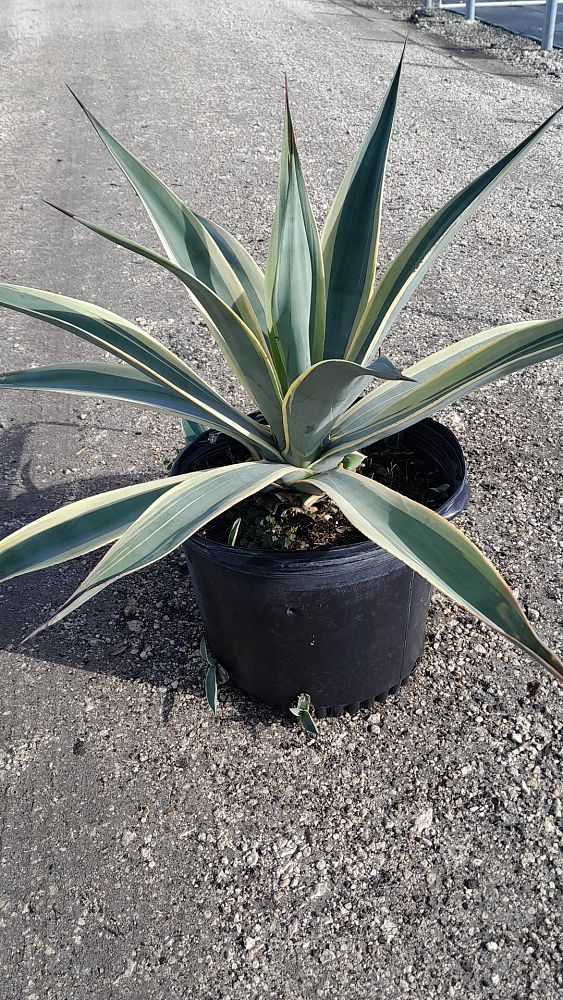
{"points": [[478, 40], [147, 849]]}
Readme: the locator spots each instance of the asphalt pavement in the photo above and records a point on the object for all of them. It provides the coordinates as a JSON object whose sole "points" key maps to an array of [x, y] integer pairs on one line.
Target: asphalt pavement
{"points": [[522, 19]]}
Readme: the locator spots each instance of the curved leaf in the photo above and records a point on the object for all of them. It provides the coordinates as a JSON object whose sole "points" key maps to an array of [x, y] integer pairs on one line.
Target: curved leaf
{"points": [[384, 395], [187, 278], [441, 554], [78, 528], [410, 265], [491, 355], [185, 239], [351, 232], [105, 381], [315, 399], [243, 351], [243, 264], [194, 501], [131, 344]]}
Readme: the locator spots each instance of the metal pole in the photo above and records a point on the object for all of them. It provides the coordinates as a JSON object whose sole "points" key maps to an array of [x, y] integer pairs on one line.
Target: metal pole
{"points": [[549, 24], [470, 10]]}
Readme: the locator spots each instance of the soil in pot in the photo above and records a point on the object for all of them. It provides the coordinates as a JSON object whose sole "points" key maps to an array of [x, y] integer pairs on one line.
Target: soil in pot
{"points": [[278, 519], [343, 621]]}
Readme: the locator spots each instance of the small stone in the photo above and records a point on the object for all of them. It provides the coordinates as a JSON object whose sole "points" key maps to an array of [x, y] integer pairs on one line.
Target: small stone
{"points": [[517, 738], [492, 946], [374, 719], [549, 825], [249, 943], [495, 979], [423, 821], [533, 615], [131, 608], [327, 956]]}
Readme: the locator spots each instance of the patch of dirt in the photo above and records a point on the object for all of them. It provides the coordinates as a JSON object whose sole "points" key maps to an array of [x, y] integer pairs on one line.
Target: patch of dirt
{"points": [[291, 521]]}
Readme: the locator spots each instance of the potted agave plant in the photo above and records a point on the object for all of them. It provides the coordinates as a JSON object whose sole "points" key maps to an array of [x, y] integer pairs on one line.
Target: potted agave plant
{"points": [[343, 622]]}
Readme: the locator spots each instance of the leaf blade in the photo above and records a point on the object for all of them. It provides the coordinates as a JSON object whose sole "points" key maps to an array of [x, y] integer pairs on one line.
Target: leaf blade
{"points": [[295, 271], [308, 724], [186, 240], [453, 373], [350, 236], [131, 344], [433, 547], [104, 381], [245, 353], [410, 265], [211, 687], [77, 528], [192, 430], [314, 401], [188, 279], [243, 264], [197, 499]]}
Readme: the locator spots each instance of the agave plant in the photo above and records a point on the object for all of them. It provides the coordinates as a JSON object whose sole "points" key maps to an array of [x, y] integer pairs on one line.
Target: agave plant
{"points": [[305, 339]]}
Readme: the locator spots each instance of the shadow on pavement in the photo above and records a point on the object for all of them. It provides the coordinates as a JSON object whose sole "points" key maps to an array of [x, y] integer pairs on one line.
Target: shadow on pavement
{"points": [[104, 637], [92, 636]]}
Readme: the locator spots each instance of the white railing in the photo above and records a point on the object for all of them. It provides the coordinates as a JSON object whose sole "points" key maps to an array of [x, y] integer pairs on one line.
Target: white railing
{"points": [[470, 5]]}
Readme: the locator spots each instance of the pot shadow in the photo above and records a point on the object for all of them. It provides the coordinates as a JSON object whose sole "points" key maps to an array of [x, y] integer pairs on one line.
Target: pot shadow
{"points": [[145, 627]]}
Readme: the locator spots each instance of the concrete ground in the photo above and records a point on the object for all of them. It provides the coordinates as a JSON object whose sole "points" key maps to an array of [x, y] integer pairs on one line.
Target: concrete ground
{"points": [[148, 850]]}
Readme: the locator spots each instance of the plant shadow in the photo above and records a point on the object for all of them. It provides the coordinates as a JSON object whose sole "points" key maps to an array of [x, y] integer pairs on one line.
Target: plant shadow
{"points": [[145, 628]]}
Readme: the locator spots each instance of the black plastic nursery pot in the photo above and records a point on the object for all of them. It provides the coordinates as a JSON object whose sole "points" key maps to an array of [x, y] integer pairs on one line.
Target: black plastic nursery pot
{"points": [[345, 625]]}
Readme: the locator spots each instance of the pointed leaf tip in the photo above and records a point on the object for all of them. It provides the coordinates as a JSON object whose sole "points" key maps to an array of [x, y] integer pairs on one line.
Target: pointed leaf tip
{"points": [[76, 97], [36, 631], [59, 209], [290, 132]]}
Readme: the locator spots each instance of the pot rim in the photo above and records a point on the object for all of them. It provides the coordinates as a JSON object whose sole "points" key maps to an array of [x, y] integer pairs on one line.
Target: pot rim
{"points": [[449, 509]]}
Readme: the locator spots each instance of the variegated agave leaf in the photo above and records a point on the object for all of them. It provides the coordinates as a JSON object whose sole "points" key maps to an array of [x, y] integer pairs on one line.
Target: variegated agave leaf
{"points": [[304, 339]]}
